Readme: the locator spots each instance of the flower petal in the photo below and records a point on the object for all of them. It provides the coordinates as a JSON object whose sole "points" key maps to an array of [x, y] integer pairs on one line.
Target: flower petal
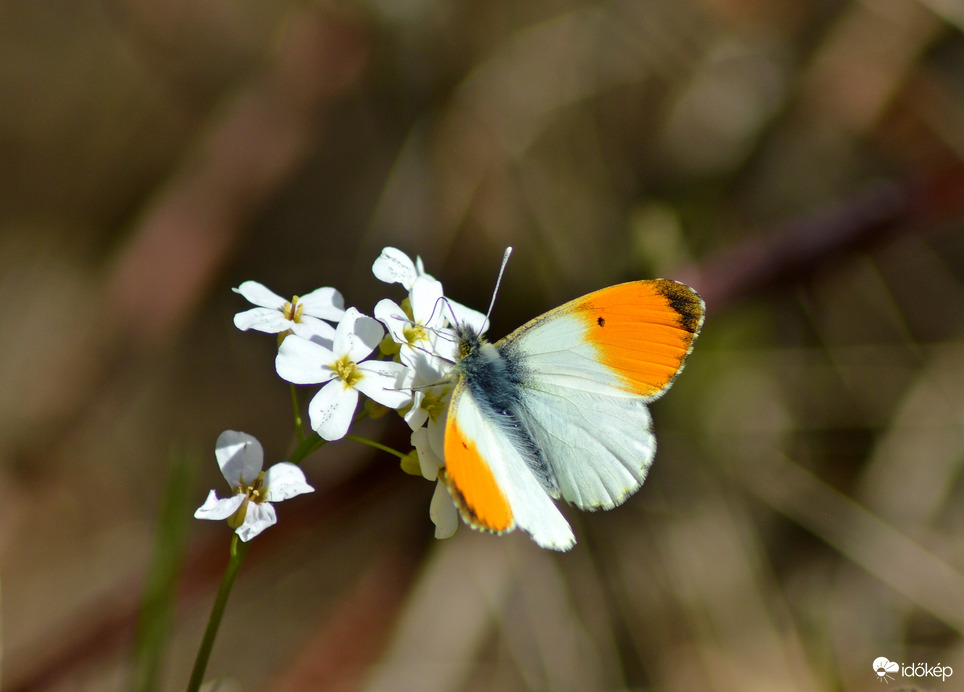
{"points": [[213, 508], [427, 369], [429, 463], [260, 295], [420, 267], [416, 416], [314, 329], [301, 361], [240, 457], [357, 335], [466, 315], [395, 267], [436, 435], [331, 410], [285, 480], [443, 512], [383, 381], [264, 320], [426, 299], [324, 303], [445, 350], [258, 517], [394, 318]]}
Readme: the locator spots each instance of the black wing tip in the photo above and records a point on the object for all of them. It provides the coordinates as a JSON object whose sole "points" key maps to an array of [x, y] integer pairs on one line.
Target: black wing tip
{"points": [[685, 301]]}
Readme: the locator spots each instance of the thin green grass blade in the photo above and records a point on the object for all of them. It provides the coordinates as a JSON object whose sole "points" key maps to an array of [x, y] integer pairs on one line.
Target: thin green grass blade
{"points": [[160, 590]]}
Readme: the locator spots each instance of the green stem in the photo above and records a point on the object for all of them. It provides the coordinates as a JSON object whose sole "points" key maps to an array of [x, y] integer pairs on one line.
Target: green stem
{"points": [[376, 445], [299, 428], [306, 447], [311, 444], [238, 549]]}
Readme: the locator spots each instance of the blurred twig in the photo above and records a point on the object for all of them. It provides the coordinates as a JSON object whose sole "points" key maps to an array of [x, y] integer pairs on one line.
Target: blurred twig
{"points": [[790, 254], [243, 156], [862, 537]]}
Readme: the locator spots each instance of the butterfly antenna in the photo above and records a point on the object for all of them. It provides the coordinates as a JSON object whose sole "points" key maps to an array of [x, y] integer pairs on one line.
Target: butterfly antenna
{"points": [[498, 282]]}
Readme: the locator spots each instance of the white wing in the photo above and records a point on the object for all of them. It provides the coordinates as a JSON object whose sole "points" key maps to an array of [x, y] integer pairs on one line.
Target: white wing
{"points": [[588, 369], [488, 476], [598, 446]]}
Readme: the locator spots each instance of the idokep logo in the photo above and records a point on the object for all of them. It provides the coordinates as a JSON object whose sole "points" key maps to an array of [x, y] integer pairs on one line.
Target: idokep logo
{"points": [[886, 670]]}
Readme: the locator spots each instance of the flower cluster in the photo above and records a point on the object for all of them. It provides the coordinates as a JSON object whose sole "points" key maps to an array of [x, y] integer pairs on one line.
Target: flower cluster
{"points": [[401, 358]]}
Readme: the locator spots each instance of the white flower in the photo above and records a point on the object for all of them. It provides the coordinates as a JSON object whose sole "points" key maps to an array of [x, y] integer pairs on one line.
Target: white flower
{"points": [[249, 510], [395, 267], [442, 510], [343, 373], [431, 390], [422, 327], [304, 316], [429, 454], [426, 298]]}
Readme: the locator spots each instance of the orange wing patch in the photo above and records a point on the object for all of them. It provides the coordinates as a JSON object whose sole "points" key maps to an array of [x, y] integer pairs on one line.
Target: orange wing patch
{"points": [[643, 330], [472, 484]]}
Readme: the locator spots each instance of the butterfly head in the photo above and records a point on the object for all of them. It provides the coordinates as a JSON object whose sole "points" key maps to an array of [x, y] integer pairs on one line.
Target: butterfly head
{"points": [[469, 339]]}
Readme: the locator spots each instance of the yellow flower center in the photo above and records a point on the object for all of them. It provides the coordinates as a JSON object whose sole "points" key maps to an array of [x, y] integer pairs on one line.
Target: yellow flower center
{"points": [[414, 333], [256, 492], [347, 371], [292, 311], [434, 404]]}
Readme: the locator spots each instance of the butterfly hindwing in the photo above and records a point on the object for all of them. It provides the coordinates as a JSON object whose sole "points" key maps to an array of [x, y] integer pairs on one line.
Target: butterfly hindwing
{"points": [[599, 448]]}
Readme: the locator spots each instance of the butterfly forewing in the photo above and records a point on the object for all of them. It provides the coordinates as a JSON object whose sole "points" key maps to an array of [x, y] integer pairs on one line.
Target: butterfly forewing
{"points": [[588, 369], [490, 480], [639, 333]]}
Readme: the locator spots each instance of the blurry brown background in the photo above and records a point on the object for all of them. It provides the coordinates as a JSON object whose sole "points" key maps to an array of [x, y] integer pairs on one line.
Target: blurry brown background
{"points": [[800, 163]]}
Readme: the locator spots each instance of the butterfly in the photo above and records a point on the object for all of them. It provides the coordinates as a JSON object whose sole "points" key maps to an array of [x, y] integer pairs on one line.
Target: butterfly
{"points": [[558, 409]]}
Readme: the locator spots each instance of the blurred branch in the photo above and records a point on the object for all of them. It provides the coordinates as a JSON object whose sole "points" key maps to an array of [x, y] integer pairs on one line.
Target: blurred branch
{"points": [[791, 254], [343, 648], [862, 537], [246, 153]]}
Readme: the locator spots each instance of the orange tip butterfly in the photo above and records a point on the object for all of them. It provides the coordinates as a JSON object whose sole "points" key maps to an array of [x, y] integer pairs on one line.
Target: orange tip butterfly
{"points": [[559, 407]]}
